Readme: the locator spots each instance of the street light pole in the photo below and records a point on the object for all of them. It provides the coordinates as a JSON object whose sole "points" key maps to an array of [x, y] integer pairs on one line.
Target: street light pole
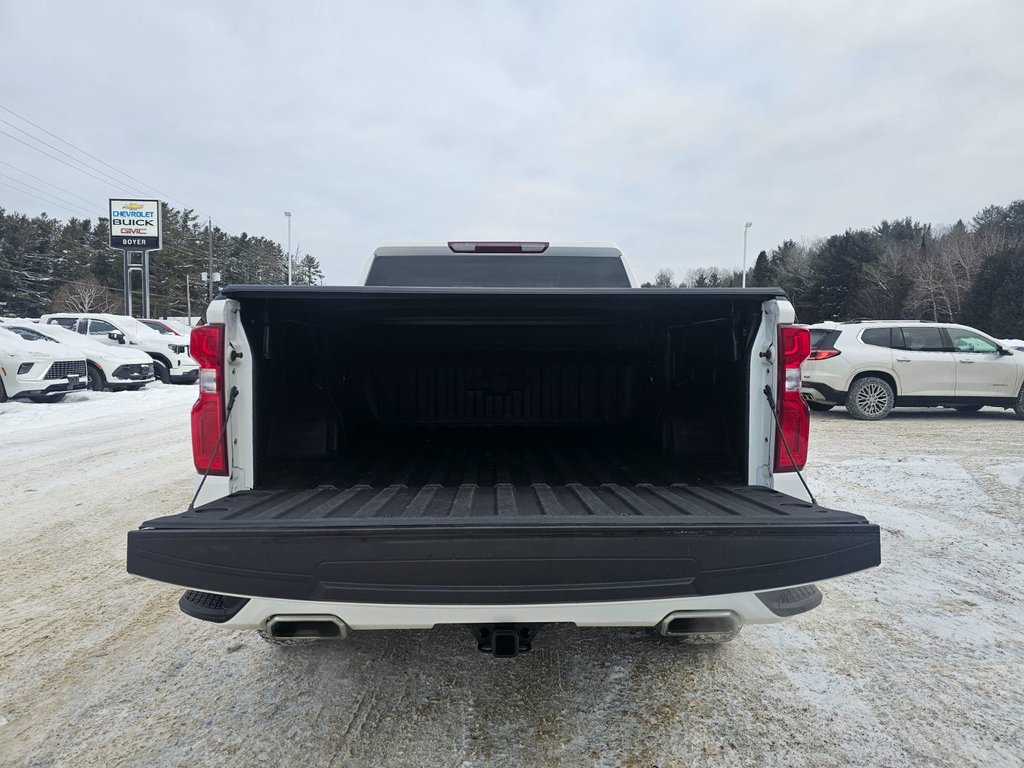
{"points": [[288, 215], [743, 279], [209, 283]]}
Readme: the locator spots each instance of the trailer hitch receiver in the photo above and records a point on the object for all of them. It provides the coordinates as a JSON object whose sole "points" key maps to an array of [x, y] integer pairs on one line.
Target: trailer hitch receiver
{"points": [[505, 640]]}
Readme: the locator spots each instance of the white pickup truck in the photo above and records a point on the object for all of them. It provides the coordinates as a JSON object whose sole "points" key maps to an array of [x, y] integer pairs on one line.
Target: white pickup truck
{"points": [[500, 435]]}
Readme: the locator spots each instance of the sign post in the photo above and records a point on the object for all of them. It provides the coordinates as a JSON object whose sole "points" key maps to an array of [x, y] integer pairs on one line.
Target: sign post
{"points": [[135, 230]]}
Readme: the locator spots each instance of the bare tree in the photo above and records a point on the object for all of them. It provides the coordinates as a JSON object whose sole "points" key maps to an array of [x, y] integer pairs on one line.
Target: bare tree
{"points": [[887, 282], [84, 296], [665, 278], [711, 277], [795, 271], [930, 292], [961, 253]]}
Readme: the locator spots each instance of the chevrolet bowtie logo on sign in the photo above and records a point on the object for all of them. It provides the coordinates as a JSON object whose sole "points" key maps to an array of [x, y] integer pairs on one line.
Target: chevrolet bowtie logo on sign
{"points": [[135, 225]]}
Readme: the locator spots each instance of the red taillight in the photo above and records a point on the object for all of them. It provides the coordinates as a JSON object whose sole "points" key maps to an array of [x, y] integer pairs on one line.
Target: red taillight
{"points": [[207, 348], [794, 417], [822, 354]]}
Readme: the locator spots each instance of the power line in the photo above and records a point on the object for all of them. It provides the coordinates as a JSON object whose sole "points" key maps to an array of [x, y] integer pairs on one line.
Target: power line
{"points": [[73, 158], [65, 162], [88, 154], [48, 183], [37, 189], [45, 200], [76, 168]]}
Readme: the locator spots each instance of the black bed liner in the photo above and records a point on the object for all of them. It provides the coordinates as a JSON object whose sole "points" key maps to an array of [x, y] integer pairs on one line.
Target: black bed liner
{"points": [[609, 504], [502, 544], [455, 457]]}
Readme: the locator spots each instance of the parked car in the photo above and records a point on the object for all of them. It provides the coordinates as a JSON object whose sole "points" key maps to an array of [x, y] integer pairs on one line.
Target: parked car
{"points": [[499, 435], [109, 367], [44, 373], [874, 366], [171, 360], [166, 327]]}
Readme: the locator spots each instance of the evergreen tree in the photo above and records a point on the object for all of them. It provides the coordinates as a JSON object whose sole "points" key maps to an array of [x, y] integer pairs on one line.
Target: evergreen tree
{"points": [[996, 302], [839, 273], [307, 271], [1005, 223], [40, 255], [899, 269], [761, 275]]}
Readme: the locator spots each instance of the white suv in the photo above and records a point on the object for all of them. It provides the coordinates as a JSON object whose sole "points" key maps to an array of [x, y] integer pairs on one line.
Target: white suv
{"points": [[109, 367], [171, 360], [872, 366], [41, 373]]}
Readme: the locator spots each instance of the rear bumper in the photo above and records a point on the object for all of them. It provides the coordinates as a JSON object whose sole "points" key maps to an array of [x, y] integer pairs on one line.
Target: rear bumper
{"points": [[748, 607], [822, 393]]}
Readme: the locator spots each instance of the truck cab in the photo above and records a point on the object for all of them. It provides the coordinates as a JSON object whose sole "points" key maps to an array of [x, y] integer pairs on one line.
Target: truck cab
{"points": [[500, 435]]}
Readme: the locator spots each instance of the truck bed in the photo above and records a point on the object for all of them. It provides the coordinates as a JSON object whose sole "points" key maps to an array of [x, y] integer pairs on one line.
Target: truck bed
{"points": [[499, 447]]}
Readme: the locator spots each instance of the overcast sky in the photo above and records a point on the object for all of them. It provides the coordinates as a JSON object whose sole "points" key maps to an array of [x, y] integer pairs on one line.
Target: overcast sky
{"points": [[660, 126]]}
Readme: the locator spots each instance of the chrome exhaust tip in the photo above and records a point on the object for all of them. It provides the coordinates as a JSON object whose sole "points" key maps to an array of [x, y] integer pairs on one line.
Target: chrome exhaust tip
{"points": [[701, 626], [306, 627]]}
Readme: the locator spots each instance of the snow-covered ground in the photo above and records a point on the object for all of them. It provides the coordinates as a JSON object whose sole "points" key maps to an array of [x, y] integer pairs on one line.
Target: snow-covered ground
{"points": [[918, 663]]}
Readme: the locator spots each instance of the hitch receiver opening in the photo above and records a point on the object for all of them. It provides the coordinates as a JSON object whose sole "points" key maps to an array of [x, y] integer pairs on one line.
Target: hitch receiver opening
{"points": [[505, 640]]}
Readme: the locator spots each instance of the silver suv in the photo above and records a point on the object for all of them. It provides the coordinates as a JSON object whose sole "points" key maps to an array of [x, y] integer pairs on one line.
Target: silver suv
{"points": [[872, 366]]}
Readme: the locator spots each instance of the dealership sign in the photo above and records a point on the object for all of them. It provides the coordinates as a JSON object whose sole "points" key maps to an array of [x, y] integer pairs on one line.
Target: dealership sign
{"points": [[135, 225]]}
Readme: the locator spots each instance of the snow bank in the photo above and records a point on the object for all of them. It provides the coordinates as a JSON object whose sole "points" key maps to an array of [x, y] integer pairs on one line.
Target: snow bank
{"points": [[80, 409]]}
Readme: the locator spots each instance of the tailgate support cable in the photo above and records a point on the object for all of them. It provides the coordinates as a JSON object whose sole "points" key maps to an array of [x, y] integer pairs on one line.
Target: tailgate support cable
{"points": [[785, 443], [213, 454]]}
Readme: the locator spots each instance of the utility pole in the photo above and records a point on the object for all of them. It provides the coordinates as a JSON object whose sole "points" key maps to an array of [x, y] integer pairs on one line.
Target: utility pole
{"points": [[188, 299], [743, 279], [288, 215], [210, 275]]}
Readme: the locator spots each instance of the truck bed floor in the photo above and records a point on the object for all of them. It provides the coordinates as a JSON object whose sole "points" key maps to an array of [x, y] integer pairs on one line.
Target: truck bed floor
{"points": [[489, 456], [537, 504], [545, 475]]}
